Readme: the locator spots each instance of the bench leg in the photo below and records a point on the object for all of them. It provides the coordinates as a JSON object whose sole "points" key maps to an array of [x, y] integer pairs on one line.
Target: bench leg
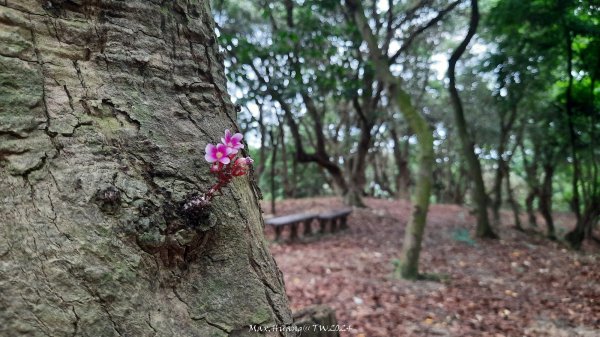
{"points": [[333, 225], [307, 227], [344, 221], [322, 225], [278, 231], [294, 231]]}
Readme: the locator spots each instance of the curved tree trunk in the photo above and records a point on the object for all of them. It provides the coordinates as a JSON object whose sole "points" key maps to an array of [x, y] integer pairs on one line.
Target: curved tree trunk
{"points": [[411, 248], [105, 109], [484, 229]]}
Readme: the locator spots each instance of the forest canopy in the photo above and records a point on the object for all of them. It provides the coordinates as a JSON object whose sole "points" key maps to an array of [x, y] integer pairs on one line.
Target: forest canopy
{"points": [[316, 85]]}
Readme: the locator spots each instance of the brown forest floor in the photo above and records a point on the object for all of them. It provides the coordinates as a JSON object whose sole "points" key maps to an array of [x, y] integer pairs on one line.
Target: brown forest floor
{"points": [[520, 285]]}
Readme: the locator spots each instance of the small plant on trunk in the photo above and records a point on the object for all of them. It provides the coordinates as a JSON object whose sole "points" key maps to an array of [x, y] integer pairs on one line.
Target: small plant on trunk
{"points": [[225, 165]]}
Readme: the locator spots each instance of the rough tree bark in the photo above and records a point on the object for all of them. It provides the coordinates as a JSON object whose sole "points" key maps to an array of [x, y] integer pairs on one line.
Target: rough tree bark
{"points": [[105, 109], [484, 229]]}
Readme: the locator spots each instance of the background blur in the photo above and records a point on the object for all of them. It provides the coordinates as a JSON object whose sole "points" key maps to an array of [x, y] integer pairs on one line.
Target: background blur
{"points": [[517, 115]]}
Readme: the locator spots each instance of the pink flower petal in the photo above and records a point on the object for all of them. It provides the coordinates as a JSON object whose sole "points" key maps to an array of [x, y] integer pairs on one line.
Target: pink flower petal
{"points": [[227, 138], [210, 155], [237, 137], [222, 148]]}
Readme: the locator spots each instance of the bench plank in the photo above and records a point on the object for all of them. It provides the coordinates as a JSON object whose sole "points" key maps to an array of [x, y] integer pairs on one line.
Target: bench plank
{"points": [[290, 219], [337, 218], [335, 214]]}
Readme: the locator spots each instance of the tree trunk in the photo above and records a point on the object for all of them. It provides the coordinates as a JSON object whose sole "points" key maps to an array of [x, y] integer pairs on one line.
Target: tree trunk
{"points": [[411, 248], [514, 205], [497, 191], [354, 196], [590, 217], [529, 200], [380, 176], [532, 180], [461, 186], [576, 236], [294, 177], [357, 181], [262, 152], [105, 109], [484, 230], [287, 187], [546, 200], [274, 145], [401, 153]]}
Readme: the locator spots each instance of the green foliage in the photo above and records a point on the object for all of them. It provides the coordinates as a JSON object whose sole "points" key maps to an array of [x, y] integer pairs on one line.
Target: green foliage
{"points": [[523, 71]]}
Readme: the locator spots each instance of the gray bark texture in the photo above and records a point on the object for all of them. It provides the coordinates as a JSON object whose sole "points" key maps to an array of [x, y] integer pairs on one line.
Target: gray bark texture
{"points": [[105, 109]]}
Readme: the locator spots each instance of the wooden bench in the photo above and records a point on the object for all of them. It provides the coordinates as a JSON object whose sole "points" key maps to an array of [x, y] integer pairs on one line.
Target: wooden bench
{"points": [[334, 217], [294, 220]]}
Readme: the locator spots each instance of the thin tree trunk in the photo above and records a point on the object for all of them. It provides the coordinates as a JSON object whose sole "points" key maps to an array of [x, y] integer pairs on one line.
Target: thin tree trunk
{"points": [[287, 186], [357, 179], [514, 205], [576, 236], [380, 175], [546, 200], [531, 170], [411, 249], [295, 177], [461, 187], [401, 158], [110, 105], [262, 152], [590, 216], [529, 200], [484, 229], [409, 266], [497, 201], [275, 145]]}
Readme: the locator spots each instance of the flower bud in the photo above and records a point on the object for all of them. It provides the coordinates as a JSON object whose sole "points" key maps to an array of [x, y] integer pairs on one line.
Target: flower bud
{"points": [[216, 167]]}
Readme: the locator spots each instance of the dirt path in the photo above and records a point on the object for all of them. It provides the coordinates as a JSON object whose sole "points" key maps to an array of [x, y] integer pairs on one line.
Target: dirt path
{"points": [[521, 285]]}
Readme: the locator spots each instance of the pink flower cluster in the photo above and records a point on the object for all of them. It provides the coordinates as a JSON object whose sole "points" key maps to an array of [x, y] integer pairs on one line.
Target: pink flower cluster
{"points": [[224, 161]]}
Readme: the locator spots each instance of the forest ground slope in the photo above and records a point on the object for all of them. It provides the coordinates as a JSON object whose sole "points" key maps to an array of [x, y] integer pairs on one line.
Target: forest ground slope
{"points": [[520, 285]]}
